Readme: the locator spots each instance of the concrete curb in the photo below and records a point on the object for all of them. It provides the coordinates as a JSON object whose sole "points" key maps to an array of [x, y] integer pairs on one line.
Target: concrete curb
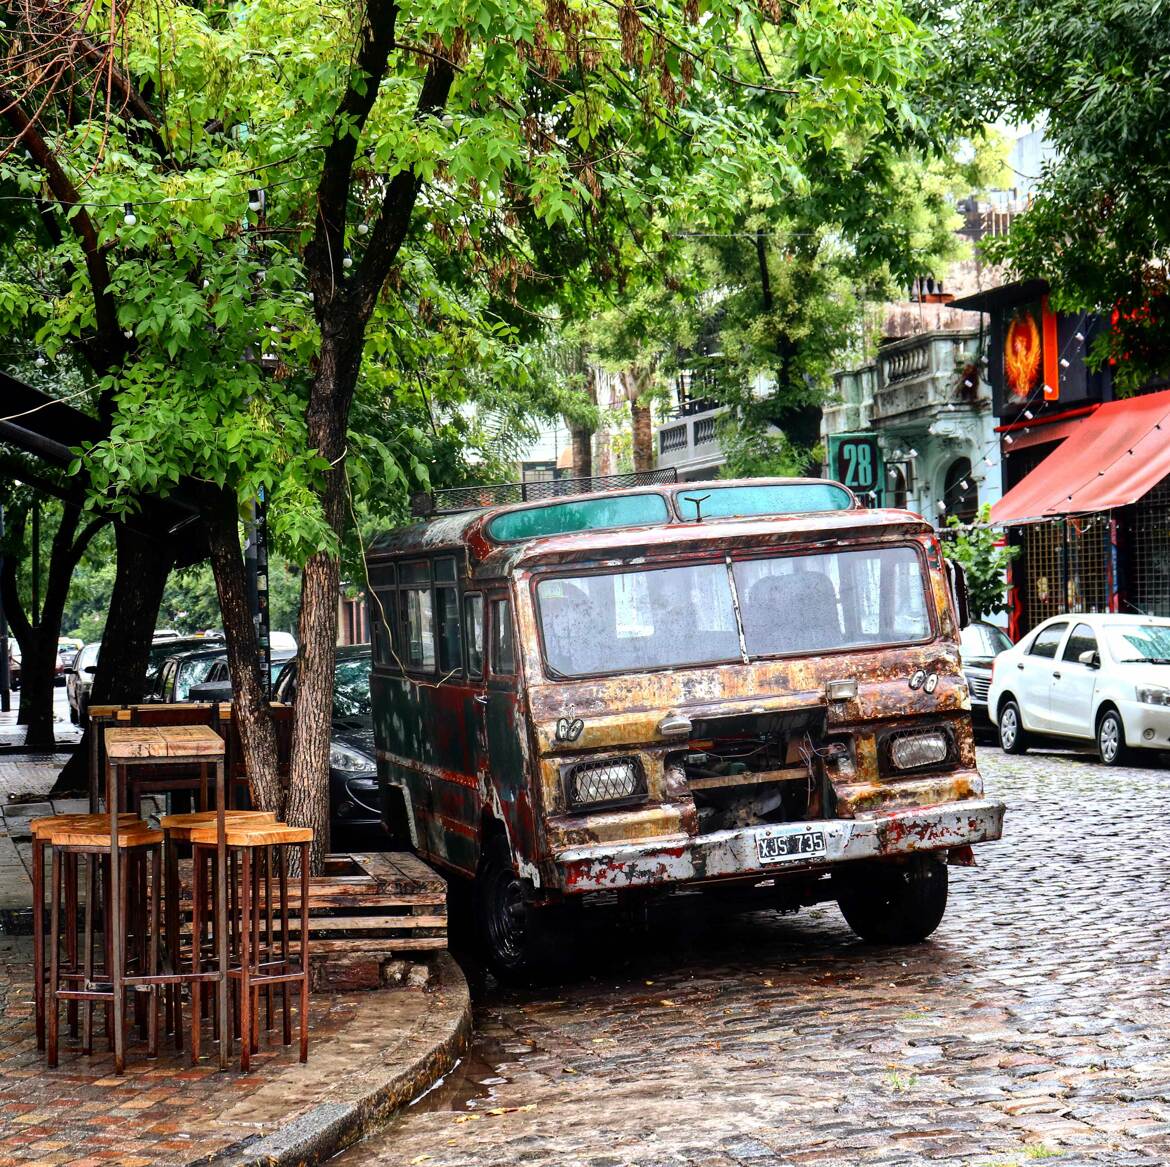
{"points": [[369, 1101]]}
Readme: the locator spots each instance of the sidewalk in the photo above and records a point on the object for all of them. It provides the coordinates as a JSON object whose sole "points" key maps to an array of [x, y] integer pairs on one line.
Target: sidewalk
{"points": [[370, 1053]]}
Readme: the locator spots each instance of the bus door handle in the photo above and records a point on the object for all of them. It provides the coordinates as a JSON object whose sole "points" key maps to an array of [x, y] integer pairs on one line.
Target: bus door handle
{"points": [[481, 698]]}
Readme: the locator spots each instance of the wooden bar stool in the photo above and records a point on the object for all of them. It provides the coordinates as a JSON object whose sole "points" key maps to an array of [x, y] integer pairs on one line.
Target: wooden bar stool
{"points": [[130, 749], [177, 829], [124, 848], [40, 830], [269, 962]]}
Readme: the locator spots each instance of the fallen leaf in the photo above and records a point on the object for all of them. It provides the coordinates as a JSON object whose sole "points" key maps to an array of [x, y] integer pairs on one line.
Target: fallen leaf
{"points": [[668, 1004]]}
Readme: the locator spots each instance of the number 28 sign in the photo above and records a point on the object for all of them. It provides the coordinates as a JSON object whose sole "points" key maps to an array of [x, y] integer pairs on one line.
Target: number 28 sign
{"points": [[856, 461]]}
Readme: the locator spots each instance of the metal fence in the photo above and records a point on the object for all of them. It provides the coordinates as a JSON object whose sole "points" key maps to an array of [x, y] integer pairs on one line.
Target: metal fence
{"points": [[1147, 559], [1065, 567], [466, 498]]}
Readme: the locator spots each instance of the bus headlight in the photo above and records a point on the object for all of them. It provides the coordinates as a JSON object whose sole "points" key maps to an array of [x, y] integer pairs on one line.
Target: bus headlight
{"points": [[608, 781], [912, 751]]}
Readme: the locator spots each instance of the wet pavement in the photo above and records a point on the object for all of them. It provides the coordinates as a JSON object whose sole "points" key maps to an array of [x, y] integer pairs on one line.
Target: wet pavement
{"points": [[1033, 1026]]}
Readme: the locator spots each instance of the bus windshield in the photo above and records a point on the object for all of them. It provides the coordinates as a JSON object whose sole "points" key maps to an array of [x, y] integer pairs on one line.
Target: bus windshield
{"points": [[652, 618]]}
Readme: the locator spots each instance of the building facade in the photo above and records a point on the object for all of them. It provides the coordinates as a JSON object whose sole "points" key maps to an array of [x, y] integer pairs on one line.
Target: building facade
{"points": [[926, 400]]}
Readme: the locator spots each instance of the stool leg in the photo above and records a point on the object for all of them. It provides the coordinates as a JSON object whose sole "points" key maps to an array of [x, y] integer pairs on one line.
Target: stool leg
{"points": [[304, 952], [269, 953], [137, 863], [87, 969], [221, 941], [286, 987], [155, 921], [118, 897], [108, 945], [71, 961], [246, 962], [38, 882], [54, 956], [257, 954], [173, 1019], [196, 945]]}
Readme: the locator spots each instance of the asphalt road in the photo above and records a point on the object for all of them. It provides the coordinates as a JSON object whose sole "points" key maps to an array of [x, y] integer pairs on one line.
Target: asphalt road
{"points": [[1032, 1026]]}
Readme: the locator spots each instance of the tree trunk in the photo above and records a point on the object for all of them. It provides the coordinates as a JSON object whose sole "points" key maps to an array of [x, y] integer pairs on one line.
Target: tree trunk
{"points": [[144, 562], [637, 383], [38, 668], [581, 436], [643, 436], [38, 629], [252, 715], [308, 792]]}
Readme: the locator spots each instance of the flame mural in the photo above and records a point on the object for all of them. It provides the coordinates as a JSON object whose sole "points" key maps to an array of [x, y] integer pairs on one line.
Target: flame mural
{"points": [[1022, 355]]}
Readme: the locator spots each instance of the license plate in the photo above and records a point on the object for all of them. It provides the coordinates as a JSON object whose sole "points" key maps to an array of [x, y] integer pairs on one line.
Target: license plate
{"points": [[783, 848]]}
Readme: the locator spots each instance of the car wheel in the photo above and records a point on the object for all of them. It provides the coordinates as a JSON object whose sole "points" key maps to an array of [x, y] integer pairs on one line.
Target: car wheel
{"points": [[1111, 747], [516, 939], [893, 903], [1013, 738]]}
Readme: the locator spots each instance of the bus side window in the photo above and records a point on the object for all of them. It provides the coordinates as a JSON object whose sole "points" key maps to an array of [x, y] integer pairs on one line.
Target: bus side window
{"points": [[503, 654], [419, 616], [382, 609], [473, 621], [447, 616]]}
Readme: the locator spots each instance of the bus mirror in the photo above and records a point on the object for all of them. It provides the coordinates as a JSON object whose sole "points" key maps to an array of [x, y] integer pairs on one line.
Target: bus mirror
{"points": [[958, 581]]}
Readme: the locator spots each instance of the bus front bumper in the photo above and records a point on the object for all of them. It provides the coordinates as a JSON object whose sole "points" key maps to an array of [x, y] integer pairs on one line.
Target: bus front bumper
{"points": [[766, 851]]}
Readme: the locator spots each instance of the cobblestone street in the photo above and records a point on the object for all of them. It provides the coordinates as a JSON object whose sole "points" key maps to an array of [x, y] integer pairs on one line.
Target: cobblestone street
{"points": [[1033, 1026]]}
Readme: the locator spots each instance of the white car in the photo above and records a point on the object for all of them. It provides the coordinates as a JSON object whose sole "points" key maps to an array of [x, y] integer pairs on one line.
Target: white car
{"points": [[1101, 678]]}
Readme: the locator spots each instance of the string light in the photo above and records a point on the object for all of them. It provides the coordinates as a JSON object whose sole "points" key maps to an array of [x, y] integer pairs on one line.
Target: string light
{"points": [[1064, 362], [347, 262], [363, 228], [129, 218], [40, 362], [256, 199]]}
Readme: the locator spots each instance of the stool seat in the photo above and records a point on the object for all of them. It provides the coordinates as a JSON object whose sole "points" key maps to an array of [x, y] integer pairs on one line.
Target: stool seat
{"points": [[42, 828], [131, 837], [180, 826], [255, 835]]}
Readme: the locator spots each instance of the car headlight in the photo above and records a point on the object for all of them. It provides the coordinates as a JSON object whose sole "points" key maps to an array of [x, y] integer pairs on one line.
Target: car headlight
{"points": [[350, 761], [612, 780], [912, 751], [1153, 695]]}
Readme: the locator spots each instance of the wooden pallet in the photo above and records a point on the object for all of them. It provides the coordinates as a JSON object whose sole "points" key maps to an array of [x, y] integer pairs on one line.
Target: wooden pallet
{"points": [[379, 901]]}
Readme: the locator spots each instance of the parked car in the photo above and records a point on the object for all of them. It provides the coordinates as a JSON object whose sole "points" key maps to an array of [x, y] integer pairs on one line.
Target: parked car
{"points": [[217, 685], [182, 670], [1086, 678], [79, 683], [353, 771], [979, 644], [169, 646]]}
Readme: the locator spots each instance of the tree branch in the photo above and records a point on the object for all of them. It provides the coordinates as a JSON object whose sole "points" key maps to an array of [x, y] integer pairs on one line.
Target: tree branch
{"points": [[327, 248], [110, 346], [393, 220]]}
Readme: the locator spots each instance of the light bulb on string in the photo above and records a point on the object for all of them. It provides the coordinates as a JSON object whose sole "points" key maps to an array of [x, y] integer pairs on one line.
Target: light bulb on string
{"points": [[256, 200], [40, 362], [1029, 414], [206, 284], [347, 262], [129, 218], [1080, 337], [964, 485], [942, 507], [1008, 439], [128, 333], [1064, 362], [363, 228], [988, 462]]}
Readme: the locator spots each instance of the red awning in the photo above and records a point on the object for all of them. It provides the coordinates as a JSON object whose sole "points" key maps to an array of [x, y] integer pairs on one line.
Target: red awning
{"points": [[1110, 460]]}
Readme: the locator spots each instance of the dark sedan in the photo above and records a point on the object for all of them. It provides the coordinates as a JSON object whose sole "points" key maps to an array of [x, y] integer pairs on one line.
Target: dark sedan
{"points": [[979, 644], [353, 772]]}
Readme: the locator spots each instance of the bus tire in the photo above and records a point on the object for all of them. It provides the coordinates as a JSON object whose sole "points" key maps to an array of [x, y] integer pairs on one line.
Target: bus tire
{"points": [[893, 903], [514, 937]]}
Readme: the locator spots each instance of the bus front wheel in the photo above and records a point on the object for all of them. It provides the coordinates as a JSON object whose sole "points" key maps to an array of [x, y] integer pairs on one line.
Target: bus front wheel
{"points": [[515, 938], [893, 903]]}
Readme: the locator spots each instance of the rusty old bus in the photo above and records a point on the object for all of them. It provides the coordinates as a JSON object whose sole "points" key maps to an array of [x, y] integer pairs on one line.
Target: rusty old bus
{"points": [[712, 685]]}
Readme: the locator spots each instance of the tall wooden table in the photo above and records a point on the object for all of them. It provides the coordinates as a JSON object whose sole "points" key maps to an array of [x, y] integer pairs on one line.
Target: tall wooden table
{"points": [[179, 745]]}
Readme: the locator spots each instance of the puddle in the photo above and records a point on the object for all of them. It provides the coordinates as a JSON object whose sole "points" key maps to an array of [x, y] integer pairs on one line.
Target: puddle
{"points": [[473, 1081]]}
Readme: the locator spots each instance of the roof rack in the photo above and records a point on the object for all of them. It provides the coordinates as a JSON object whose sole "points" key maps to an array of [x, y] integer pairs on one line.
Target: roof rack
{"points": [[457, 499]]}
